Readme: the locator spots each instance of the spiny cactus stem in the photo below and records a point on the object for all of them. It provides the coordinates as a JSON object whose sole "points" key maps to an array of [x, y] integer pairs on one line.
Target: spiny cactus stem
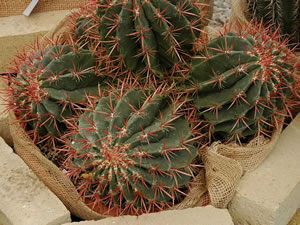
{"points": [[180, 7], [56, 55], [166, 124], [114, 26], [116, 45], [144, 51], [214, 108], [160, 15], [50, 144], [239, 119], [140, 155], [238, 95], [218, 79], [191, 140]]}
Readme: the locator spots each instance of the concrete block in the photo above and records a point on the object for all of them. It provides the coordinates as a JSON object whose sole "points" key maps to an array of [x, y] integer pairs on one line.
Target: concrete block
{"points": [[19, 31], [270, 195], [195, 216], [24, 199]]}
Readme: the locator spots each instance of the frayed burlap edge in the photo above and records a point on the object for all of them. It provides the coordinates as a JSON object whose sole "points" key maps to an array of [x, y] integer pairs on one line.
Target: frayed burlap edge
{"points": [[225, 165], [4, 125]]}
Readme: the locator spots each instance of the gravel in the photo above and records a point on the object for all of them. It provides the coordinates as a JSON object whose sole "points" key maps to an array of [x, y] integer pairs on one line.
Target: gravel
{"points": [[221, 13]]}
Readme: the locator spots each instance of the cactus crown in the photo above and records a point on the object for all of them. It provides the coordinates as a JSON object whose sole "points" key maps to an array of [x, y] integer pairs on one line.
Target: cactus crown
{"points": [[132, 153], [50, 82], [279, 14], [149, 36], [242, 83]]}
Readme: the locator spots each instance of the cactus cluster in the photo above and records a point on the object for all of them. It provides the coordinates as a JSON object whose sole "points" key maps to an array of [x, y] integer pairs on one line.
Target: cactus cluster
{"points": [[243, 84], [149, 36], [133, 152], [50, 83], [279, 14], [132, 147]]}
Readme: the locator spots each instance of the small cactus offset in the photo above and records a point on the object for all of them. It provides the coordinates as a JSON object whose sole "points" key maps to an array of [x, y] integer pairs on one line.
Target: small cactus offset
{"points": [[280, 14], [243, 84], [149, 36], [50, 84], [132, 153]]}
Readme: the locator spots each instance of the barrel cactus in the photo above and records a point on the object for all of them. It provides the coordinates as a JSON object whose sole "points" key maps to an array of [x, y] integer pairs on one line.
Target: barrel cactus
{"points": [[280, 14], [132, 153], [242, 84], [50, 85], [149, 36]]}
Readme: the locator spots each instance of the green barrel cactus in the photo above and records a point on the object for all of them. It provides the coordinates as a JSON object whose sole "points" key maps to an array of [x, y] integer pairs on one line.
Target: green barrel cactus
{"points": [[50, 85], [132, 153], [242, 84], [149, 36], [280, 14]]}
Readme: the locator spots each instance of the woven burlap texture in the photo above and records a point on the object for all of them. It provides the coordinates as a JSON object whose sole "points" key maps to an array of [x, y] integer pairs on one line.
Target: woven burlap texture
{"points": [[4, 124], [16, 7], [225, 165], [239, 9]]}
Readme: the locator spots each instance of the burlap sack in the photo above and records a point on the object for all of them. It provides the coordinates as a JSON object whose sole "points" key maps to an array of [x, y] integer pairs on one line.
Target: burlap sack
{"points": [[4, 125], [239, 10], [225, 165], [16, 7]]}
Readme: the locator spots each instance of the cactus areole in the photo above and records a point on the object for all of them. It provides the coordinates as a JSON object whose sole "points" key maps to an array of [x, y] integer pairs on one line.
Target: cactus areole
{"points": [[149, 35], [132, 154], [242, 83], [48, 85]]}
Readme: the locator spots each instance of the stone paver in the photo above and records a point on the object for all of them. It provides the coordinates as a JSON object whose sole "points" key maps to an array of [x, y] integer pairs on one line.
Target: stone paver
{"points": [[195, 216], [24, 200], [270, 195], [18, 31]]}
